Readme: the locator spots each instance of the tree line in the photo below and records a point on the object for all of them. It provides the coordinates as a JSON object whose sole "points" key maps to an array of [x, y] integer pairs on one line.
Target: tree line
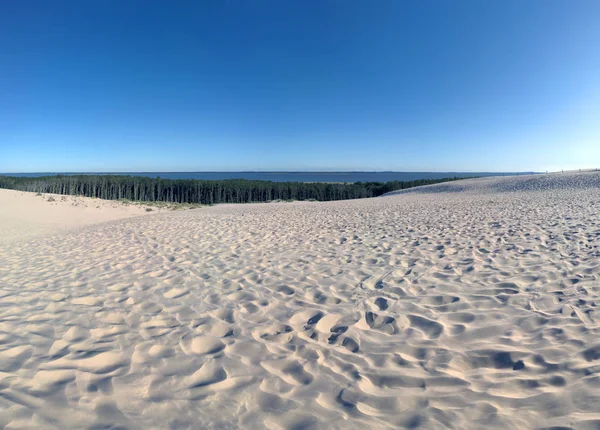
{"points": [[146, 189]]}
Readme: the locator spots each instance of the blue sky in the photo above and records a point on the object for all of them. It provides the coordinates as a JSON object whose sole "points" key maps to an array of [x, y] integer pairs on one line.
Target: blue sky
{"points": [[299, 85]]}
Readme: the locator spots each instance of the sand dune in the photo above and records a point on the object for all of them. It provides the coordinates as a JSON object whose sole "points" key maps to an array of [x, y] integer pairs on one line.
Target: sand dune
{"points": [[25, 215], [465, 305]]}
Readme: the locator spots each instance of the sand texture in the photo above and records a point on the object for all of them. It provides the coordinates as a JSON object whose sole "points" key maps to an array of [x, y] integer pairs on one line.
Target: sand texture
{"points": [[466, 305]]}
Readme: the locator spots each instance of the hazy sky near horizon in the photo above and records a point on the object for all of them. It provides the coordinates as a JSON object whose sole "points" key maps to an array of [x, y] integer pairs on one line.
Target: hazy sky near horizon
{"points": [[299, 85]]}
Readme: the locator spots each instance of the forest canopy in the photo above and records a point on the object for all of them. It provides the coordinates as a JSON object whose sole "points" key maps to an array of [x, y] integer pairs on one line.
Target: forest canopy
{"points": [[146, 189]]}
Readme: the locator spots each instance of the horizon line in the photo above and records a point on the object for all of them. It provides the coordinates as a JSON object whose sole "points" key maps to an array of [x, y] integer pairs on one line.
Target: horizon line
{"points": [[280, 171]]}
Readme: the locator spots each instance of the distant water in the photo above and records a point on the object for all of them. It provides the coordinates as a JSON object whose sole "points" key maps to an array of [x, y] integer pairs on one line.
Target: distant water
{"points": [[294, 176]]}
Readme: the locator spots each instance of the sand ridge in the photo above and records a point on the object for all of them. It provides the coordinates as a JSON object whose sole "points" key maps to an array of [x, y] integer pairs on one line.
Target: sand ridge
{"points": [[467, 307]]}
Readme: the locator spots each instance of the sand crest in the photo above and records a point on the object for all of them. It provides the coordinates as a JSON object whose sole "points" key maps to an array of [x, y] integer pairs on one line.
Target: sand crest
{"points": [[463, 305]]}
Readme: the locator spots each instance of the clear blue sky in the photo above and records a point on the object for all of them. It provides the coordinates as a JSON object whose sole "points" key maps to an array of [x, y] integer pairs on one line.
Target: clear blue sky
{"points": [[299, 85]]}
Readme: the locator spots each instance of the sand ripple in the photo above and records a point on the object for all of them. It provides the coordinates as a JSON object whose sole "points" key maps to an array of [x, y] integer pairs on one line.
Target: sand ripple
{"points": [[467, 307]]}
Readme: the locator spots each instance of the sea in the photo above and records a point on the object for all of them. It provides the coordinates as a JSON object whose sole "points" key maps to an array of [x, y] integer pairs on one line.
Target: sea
{"points": [[339, 177]]}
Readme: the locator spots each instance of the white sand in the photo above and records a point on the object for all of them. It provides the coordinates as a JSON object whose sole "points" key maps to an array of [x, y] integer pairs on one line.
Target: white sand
{"points": [[25, 215], [466, 305]]}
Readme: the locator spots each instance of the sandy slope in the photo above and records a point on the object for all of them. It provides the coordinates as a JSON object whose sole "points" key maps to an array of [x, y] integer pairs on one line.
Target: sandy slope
{"points": [[25, 215], [469, 305]]}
